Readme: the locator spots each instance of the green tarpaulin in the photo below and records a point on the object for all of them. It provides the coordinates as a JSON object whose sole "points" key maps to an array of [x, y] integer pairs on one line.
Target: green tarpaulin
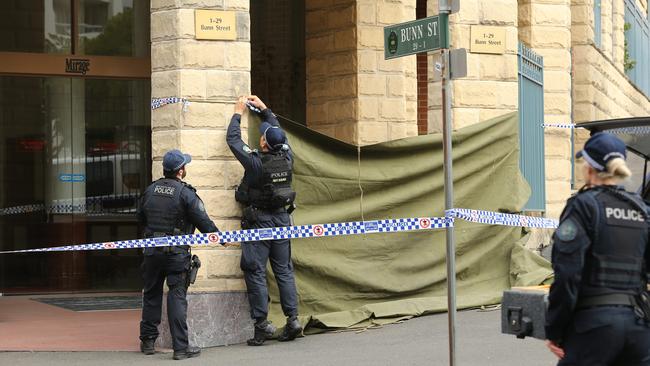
{"points": [[377, 278]]}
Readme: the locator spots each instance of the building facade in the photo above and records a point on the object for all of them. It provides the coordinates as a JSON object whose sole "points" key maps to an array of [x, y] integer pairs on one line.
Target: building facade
{"points": [[78, 141]]}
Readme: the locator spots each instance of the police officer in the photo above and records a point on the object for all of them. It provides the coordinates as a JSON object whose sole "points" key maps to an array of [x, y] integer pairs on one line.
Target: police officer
{"points": [[168, 207], [266, 193], [598, 313]]}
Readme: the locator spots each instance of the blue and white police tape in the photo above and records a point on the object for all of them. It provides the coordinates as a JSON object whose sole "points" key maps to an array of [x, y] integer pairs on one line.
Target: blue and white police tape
{"points": [[498, 218], [93, 204], [635, 130], [291, 232], [159, 102]]}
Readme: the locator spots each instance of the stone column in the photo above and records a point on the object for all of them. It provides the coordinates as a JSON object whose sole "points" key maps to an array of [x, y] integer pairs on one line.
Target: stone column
{"points": [[210, 74], [353, 94], [545, 26]]}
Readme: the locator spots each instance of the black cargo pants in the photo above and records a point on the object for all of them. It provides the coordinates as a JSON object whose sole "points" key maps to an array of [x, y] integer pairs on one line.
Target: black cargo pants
{"points": [[255, 255], [606, 336], [160, 263]]}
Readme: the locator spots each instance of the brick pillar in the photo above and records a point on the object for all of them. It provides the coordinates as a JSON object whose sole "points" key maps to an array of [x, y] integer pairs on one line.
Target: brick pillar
{"points": [[545, 26], [211, 74]]}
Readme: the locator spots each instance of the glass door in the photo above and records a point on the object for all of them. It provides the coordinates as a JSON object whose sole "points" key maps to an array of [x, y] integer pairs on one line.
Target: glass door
{"points": [[74, 158]]}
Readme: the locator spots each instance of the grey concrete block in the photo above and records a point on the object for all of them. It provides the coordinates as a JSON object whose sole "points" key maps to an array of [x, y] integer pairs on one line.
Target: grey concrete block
{"points": [[213, 319]]}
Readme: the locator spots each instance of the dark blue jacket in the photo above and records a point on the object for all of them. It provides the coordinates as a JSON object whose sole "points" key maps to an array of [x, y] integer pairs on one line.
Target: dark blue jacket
{"points": [[250, 159], [597, 236]]}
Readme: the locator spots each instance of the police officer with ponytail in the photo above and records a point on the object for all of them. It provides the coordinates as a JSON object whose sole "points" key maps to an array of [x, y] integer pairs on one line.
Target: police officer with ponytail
{"points": [[598, 311], [168, 207], [265, 191]]}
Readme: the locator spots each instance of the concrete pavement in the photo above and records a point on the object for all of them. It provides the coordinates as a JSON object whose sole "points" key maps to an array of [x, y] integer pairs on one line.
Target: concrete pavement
{"points": [[420, 341]]}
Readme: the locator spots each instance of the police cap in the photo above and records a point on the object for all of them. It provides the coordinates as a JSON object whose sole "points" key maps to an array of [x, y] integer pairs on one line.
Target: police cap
{"points": [[601, 148], [273, 135], [174, 160]]}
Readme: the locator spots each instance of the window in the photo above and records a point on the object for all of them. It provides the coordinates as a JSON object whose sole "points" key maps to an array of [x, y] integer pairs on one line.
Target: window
{"points": [[637, 43]]}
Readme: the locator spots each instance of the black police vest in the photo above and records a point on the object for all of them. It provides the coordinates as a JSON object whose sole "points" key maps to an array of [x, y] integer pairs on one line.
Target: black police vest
{"points": [[615, 261], [274, 189], [163, 210]]}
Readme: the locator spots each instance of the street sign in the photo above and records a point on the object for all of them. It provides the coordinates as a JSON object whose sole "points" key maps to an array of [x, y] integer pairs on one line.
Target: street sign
{"points": [[422, 35]]}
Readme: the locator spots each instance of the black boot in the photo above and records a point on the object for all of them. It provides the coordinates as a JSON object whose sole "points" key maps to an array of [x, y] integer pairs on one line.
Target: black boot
{"points": [[263, 330], [189, 352], [291, 330], [147, 346]]}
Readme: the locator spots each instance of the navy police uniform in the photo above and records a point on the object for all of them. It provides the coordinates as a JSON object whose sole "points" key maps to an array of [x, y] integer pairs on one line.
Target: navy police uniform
{"points": [[168, 207], [600, 256], [266, 192]]}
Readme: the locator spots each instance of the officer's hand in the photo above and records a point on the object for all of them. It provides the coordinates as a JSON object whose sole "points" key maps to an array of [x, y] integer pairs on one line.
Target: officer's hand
{"points": [[555, 349], [240, 105], [257, 102]]}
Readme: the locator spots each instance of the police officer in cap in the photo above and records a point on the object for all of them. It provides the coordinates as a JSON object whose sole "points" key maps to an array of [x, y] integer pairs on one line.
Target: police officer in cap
{"points": [[169, 207], [266, 193], [598, 310]]}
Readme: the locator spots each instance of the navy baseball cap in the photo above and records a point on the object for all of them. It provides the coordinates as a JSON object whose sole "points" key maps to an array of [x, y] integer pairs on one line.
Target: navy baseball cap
{"points": [[273, 135], [601, 148], [174, 160]]}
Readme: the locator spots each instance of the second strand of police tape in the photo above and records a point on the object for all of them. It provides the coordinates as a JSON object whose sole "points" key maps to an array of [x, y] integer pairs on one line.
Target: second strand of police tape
{"points": [[316, 230]]}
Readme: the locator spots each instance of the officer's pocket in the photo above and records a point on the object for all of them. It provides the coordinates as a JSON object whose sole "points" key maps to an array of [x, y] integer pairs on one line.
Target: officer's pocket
{"points": [[248, 260], [591, 319]]}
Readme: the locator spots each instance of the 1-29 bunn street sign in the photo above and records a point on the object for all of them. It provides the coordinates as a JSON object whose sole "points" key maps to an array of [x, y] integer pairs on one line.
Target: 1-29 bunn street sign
{"points": [[422, 35]]}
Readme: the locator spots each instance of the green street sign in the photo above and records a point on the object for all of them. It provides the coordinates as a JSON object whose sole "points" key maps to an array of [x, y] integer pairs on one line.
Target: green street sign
{"points": [[422, 35]]}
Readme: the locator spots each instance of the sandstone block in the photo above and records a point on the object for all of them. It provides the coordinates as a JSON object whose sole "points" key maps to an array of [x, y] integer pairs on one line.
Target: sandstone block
{"points": [[367, 14], [316, 21], [463, 117], [557, 103], [550, 37], [164, 141], [202, 54], [345, 39], [164, 55], [341, 17], [558, 169], [367, 61], [319, 44], [234, 172], [167, 117], [498, 12], [207, 174], [396, 86], [370, 84], [317, 66], [348, 132], [227, 84], [238, 55], [392, 109], [344, 110], [368, 108], [222, 263], [551, 14], [165, 84], [342, 63], [556, 81], [390, 13], [243, 5], [220, 203], [193, 84], [370, 37], [210, 115], [373, 132]]}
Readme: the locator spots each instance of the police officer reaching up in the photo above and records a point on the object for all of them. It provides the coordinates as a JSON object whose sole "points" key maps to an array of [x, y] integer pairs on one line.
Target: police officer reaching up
{"points": [[266, 193], [599, 311], [169, 207]]}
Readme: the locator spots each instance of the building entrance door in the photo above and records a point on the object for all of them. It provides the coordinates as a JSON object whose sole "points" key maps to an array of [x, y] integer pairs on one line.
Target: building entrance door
{"points": [[74, 157]]}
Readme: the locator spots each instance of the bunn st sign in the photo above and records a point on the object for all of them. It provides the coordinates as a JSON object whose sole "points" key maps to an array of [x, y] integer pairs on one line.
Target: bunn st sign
{"points": [[422, 35]]}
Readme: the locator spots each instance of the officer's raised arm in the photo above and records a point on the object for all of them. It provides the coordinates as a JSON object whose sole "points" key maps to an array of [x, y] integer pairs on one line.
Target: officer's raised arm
{"points": [[242, 152]]}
